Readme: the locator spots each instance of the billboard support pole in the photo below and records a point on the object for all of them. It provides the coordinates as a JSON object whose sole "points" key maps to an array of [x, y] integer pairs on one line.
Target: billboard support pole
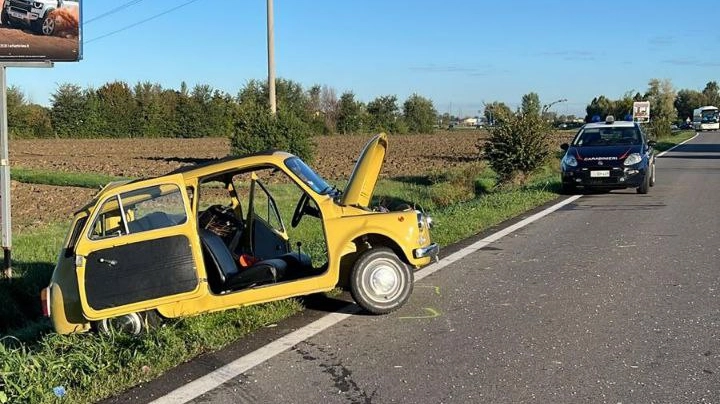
{"points": [[5, 224]]}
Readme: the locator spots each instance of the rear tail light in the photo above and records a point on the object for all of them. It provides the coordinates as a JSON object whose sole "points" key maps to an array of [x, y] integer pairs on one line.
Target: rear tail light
{"points": [[45, 301]]}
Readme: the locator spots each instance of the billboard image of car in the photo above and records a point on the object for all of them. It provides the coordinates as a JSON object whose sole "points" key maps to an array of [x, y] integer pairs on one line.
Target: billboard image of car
{"points": [[40, 30]]}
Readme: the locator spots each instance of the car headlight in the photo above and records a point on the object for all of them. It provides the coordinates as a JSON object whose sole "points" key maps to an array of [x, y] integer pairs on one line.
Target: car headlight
{"points": [[633, 159], [569, 160]]}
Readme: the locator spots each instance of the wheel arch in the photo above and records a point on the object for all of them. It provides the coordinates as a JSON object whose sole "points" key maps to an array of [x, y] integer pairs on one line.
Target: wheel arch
{"points": [[364, 243]]}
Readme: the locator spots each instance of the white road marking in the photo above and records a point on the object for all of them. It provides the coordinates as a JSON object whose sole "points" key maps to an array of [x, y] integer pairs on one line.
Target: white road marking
{"points": [[241, 365], [679, 144]]}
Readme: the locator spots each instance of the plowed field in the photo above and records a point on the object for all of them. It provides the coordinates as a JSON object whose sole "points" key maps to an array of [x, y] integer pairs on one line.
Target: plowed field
{"points": [[335, 157]]}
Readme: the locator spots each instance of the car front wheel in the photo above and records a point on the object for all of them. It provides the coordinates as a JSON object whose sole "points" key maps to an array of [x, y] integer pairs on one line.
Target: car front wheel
{"points": [[645, 185], [47, 25], [380, 282]]}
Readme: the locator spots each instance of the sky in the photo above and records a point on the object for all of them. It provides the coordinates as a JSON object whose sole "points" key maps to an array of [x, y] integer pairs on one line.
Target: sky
{"points": [[458, 53]]}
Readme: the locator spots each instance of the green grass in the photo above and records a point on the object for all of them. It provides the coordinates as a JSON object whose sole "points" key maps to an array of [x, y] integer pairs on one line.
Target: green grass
{"points": [[673, 140], [83, 180], [33, 360]]}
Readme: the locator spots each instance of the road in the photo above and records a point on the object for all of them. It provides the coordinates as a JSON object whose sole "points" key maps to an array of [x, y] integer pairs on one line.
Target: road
{"points": [[612, 298]]}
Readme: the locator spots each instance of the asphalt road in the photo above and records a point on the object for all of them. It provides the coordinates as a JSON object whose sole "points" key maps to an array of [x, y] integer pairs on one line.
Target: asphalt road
{"points": [[614, 298]]}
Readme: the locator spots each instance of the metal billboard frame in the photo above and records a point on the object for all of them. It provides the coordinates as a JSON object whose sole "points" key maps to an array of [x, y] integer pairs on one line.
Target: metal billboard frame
{"points": [[5, 213]]}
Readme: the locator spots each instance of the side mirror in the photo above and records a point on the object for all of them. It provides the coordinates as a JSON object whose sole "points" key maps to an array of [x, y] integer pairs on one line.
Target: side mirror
{"points": [[565, 146], [651, 143]]}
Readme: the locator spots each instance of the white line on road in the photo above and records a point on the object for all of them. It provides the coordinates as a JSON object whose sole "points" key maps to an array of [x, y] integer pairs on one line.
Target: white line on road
{"points": [[679, 144], [241, 365]]}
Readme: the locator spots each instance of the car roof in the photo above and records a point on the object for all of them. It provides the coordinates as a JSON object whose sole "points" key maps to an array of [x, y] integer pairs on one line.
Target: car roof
{"points": [[616, 124]]}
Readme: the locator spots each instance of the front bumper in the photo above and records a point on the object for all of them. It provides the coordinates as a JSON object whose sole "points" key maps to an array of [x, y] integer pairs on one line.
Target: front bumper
{"points": [[612, 177], [430, 251]]}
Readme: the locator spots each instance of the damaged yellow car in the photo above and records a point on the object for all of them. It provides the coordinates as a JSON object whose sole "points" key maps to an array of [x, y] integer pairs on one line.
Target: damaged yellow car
{"points": [[213, 237]]}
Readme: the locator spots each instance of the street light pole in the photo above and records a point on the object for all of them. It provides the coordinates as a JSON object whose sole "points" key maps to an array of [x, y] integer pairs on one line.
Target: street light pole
{"points": [[271, 57]]}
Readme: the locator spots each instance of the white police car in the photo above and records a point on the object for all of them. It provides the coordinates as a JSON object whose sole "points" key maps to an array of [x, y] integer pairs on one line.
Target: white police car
{"points": [[609, 155]]}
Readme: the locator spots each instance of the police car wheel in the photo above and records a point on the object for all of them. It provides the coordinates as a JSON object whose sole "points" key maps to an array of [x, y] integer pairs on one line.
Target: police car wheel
{"points": [[652, 175], [645, 185]]}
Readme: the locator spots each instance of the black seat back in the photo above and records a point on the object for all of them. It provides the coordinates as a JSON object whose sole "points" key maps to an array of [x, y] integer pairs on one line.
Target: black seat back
{"points": [[221, 267]]}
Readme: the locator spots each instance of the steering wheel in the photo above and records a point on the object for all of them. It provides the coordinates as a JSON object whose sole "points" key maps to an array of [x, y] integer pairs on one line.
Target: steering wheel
{"points": [[300, 209]]}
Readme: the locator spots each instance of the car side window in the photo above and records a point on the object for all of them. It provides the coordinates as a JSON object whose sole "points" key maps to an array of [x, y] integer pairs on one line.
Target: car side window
{"points": [[145, 209]]}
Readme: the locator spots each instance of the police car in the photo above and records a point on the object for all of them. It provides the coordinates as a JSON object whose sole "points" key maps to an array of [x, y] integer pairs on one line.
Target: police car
{"points": [[609, 155]]}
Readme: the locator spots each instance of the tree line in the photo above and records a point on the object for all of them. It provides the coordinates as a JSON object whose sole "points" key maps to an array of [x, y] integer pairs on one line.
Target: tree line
{"points": [[118, 110]]}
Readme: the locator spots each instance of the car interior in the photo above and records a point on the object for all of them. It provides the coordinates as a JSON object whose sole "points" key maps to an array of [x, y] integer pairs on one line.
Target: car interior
{"points": [[244, 242]]}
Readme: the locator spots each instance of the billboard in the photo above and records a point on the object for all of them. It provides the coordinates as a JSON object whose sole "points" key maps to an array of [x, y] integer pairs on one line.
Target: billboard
{"points": [[40, 30], [641, 111]]}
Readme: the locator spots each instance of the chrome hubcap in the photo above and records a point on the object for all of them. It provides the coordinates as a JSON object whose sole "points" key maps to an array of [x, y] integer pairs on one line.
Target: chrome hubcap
{"points": [[383, 282]]}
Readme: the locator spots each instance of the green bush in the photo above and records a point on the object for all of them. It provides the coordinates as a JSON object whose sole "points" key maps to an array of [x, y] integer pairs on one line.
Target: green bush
{"points": [[257, 130], [518, 145]]}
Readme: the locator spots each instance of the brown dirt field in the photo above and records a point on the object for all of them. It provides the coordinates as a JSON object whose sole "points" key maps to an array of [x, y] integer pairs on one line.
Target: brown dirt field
{"points": [[35, 205], [334, 155], [335, 158]]}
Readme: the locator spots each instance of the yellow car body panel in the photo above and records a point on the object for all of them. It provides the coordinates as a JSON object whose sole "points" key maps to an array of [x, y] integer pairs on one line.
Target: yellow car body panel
{"points": [[104, 257]]}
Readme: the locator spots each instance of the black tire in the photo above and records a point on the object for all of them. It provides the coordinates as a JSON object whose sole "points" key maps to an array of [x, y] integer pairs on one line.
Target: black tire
{"points": [[645, 185], [380, 282], [652, 174], [568, 189], [5, 18], [131, 324]]}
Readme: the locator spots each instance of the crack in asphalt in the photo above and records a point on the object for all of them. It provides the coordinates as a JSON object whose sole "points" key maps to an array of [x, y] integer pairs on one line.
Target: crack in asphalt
{"points": [[340, 375]]}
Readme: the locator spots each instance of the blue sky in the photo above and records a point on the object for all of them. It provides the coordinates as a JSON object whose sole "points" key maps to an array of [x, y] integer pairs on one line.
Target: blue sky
{"points": [[459, 53]]}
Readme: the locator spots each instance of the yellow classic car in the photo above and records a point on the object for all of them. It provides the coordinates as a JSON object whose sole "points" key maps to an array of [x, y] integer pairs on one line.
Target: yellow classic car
{"points": [[212, 237]]}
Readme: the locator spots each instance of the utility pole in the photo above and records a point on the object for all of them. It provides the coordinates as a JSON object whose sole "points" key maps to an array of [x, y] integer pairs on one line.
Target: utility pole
{"points": [[271, 57]]}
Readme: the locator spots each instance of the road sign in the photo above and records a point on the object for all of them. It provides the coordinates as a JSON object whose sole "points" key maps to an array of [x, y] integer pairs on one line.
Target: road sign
{"points": [[641, 111]]}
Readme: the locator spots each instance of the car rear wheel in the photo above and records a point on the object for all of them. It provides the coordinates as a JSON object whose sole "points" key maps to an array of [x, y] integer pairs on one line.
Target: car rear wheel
{"points": [[652, 176], [380, 282], [131, 323]]}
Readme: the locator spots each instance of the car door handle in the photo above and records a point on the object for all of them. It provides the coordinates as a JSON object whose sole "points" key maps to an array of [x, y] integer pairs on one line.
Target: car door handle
{"points": [[112, 263]]}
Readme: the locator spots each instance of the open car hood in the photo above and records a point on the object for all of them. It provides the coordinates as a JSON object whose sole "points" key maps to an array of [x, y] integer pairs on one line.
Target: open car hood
{"points": [[364, 177]]}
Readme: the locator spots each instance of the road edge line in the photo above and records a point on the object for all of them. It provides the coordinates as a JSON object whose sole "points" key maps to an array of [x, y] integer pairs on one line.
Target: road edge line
{"points": [[679, 144], [241, 365]]}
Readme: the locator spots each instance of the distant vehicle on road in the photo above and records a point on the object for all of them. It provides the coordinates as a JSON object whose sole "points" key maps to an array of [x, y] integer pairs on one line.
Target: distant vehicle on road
{"points": [[36, 14], [609, 155], [706, 118]]}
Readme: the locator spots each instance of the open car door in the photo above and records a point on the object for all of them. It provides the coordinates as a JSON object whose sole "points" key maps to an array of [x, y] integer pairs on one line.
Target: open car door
{"points": [[136, 251], [268, 237]]}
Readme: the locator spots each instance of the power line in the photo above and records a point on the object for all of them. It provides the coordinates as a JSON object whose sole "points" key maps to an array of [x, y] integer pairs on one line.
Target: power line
{"points": [[113, 11], [127, 27]]}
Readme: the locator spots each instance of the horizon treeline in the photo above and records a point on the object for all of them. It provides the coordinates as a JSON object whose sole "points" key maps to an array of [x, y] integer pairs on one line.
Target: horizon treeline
{"points": [[118, 110]]}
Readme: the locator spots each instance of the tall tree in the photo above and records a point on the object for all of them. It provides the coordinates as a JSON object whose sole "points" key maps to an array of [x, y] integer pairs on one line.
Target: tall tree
{"points": [[531, 104], [661, 95], [711, 92], [383, 111], [68, 110], [117, 109], [419, 114], [350, 114], [497, 111], [686, 101]]}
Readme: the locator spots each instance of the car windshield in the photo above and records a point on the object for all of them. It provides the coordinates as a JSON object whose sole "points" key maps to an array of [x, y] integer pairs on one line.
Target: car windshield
{"points": [[610, 136], [308, 176]]}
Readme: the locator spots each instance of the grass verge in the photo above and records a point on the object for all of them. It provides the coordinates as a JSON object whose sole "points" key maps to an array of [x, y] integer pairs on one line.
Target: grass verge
{"points": [[35, 364], [83, 180]]}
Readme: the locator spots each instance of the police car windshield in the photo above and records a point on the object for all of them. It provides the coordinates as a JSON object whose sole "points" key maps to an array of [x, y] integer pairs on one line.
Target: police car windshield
{"points": [[611, 136]]}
